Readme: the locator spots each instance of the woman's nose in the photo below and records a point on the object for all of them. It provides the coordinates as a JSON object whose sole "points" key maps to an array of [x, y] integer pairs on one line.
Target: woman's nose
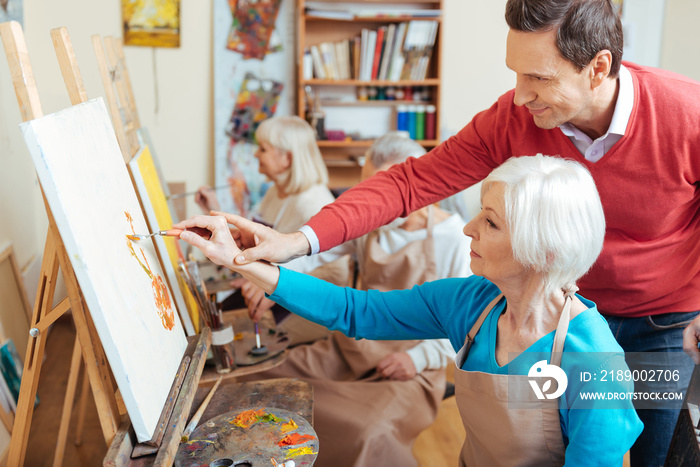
{"points": [[468, 230]]}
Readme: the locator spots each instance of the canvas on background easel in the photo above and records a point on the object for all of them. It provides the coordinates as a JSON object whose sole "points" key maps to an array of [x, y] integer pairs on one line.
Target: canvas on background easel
{"points": [[67, 248]]}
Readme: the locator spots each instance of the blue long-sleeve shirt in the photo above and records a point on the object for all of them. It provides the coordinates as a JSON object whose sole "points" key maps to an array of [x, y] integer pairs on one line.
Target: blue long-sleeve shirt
{"points": [[595, 432]]}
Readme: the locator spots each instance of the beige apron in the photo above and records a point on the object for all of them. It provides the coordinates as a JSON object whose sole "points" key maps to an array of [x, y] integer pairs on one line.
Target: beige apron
{"points": [[499, 435], [361, 419], [412, 265]]}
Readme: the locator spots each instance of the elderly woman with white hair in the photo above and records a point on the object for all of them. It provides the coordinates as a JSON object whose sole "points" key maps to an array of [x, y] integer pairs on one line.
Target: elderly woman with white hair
{"points": [[540, 229], [289, 157]]}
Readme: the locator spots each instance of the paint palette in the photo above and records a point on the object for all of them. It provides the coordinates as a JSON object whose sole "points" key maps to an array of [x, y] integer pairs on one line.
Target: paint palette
{"points": [[254, 436]]}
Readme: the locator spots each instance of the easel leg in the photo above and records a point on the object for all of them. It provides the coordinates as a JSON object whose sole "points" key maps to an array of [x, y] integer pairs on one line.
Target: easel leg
{"points": [[68, 404], [33, 358], [98, 374], [84, 394]]}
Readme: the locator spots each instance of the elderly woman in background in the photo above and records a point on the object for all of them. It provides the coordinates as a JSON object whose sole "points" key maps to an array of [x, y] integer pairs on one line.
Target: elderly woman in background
{"points": [[289, 157], [540, 229]]}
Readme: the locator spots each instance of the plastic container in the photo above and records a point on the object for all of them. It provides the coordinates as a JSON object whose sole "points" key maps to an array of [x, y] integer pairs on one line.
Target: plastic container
{"points": [[412, 121], [222, 349], [420, 122], [402, 118]]}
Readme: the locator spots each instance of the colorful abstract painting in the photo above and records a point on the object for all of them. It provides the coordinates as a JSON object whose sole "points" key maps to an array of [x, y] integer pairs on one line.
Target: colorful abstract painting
{"points": [[155, 206], [235, 163], [151, 23], [257, 101], [252, 28], [95, 207]]}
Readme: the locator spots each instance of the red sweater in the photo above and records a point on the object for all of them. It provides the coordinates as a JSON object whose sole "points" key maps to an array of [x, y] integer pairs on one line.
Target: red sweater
{"points": [[648, 183]]}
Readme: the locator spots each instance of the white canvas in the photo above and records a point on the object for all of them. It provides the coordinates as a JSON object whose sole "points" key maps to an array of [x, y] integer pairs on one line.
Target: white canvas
{"points": [[88, 189]]}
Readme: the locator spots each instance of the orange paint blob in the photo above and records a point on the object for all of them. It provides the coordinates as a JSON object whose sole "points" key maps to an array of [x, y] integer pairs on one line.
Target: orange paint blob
{"points": [[161, 296], [295, 438], [247, 418]]}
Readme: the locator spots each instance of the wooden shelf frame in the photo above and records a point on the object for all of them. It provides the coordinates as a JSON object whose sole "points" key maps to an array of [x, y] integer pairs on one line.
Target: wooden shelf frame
{"points": [[342, 155], [433, 82]]}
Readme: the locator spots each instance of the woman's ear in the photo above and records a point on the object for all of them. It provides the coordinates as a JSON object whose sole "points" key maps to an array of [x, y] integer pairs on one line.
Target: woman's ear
{"points": [[287, 159]]}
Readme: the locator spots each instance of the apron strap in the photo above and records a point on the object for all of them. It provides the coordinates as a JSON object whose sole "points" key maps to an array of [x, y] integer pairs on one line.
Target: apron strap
{"points": [[472, 332], [563, 325], [431, 221]]}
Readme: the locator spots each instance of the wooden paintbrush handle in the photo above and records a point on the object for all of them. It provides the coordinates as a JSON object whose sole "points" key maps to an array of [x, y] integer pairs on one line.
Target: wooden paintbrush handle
{"points": [[204, 233]]}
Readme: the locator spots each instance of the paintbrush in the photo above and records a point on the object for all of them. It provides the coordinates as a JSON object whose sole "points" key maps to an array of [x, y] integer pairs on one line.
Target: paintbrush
{"points": [[180, 195], [258, 349], [198, 414], [206, 234]]}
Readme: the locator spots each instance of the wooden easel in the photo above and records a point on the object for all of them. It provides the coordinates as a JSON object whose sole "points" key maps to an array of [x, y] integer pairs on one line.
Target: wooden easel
{"points": [[55, 257], [118, 93]]}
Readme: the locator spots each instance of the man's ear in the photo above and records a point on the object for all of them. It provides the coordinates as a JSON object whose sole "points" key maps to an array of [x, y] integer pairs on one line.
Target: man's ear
{"points": [[600, 67]]}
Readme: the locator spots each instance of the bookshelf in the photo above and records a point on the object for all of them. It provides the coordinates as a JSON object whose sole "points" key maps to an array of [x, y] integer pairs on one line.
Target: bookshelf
{"points": [[398, 73]]}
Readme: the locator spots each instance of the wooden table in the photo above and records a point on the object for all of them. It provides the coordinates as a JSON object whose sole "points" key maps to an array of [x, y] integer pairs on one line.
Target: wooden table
{"points": [[243, 329]]}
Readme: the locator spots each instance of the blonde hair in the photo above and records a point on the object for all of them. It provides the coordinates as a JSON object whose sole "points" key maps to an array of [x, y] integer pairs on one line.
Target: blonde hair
{"points": [[293, 134]]}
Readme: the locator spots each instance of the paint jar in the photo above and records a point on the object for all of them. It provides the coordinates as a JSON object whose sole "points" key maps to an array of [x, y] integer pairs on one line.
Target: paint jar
{"points": [[318, 124], [402, 118], [222, 349], [362, 93], [412, 121], [430, 122], [420, 122]]}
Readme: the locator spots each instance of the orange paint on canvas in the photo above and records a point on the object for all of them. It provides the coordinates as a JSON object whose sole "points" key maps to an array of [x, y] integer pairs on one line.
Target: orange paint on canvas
{"points": [[295, 438], [160, 290]]}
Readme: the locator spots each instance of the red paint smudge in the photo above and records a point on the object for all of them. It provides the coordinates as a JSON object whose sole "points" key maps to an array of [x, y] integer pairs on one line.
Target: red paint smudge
{"points": [[295, 438]]}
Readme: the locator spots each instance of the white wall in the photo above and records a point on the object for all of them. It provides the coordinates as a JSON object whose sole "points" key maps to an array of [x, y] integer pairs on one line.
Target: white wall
{"points": [[474, 73], [680, 45], [177, 106], [173, 95]]}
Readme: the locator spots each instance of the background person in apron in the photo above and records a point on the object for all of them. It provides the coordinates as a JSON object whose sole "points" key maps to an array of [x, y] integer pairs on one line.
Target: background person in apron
{"points": [[540, 229], [287, 155], [373, 398]]}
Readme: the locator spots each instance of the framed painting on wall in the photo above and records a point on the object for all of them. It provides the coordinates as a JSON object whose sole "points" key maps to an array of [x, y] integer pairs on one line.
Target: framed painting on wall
{"points": [[151, 23]]}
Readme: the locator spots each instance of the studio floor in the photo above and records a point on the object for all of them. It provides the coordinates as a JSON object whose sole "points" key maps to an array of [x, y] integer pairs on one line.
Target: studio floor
{"points": [[437, 446]]}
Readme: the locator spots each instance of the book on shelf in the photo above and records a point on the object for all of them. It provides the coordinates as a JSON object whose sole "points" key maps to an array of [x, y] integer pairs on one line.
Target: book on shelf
{"points": [[381, 32], [386, 53], [390, 53], [319, 71]]}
